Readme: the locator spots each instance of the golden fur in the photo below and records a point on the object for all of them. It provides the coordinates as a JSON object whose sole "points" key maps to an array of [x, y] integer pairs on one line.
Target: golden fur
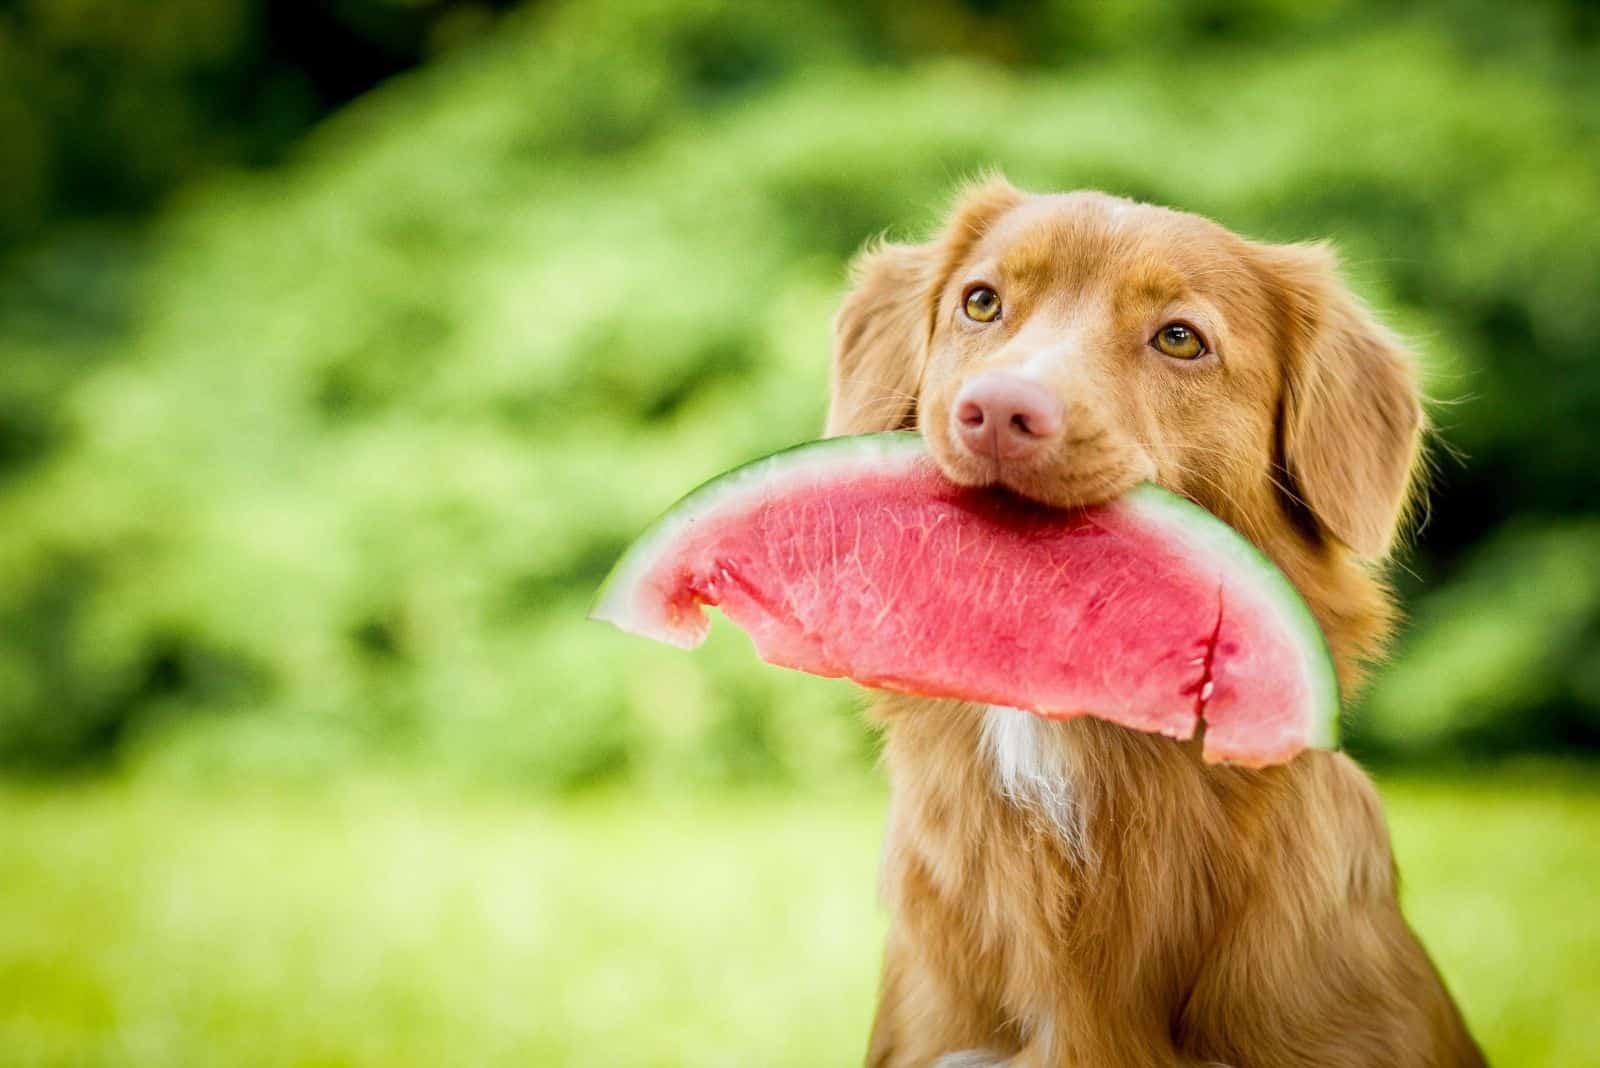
{"points": [[1195, 914]]}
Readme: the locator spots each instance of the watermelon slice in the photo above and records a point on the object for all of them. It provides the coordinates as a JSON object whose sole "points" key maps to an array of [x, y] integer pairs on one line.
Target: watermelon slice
{"points": [[855, 557]]}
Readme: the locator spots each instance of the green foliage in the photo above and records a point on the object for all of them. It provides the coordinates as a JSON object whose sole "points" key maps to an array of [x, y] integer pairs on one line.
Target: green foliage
{"points": [[106, 105], [325, 465], [1504, 655]]}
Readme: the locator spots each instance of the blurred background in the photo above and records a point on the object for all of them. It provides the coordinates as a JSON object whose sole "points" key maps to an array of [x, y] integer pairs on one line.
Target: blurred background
{"points": [[344, 345]]}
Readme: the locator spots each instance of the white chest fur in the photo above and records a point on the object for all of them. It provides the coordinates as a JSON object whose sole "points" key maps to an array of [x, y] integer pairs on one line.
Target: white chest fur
{"points": [[1033, 769]]}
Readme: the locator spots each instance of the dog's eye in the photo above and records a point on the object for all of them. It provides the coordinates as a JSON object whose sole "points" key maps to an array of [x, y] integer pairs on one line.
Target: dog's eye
{"points": [[1180, 341], [982, 304]]}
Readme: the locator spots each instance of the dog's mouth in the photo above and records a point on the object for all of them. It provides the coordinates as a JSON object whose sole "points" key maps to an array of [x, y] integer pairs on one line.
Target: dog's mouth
{"points": [[1057, 481]]}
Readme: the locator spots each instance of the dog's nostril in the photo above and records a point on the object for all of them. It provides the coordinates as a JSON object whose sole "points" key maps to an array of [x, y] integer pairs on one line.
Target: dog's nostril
{"points": [[1005, 416]]}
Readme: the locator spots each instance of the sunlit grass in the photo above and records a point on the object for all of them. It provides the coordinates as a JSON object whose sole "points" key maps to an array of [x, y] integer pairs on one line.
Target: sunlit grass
{"points": [[394, 925]]}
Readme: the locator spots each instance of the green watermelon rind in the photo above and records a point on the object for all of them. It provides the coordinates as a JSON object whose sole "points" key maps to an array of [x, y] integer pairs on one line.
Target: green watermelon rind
{"points": [[894, 450], [1250, 564]]}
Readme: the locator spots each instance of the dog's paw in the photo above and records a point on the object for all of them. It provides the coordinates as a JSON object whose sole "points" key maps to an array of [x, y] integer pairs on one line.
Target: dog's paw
{"points": [[972, 1058]]}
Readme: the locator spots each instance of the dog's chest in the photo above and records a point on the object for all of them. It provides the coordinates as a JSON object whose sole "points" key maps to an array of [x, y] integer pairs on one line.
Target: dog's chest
{"points": [[1032, 762]]}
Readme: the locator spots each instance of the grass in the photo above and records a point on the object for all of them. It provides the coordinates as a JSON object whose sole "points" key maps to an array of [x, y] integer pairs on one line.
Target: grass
{"points": [[393, 925]]}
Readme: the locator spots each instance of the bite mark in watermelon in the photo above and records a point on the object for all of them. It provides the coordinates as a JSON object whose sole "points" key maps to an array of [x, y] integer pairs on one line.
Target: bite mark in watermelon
{"points": [[854, 557]]}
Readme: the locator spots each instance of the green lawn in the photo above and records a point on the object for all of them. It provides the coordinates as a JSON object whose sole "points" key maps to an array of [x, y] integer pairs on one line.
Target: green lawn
{"points": [[391, 926]]}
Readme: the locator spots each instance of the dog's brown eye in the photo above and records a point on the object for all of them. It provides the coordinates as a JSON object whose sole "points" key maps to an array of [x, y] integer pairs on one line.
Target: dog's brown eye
{"points": [[982, 304], [1180, 341]]}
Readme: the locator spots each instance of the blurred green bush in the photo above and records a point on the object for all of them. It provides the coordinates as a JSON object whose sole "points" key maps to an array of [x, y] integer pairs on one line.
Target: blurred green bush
{"points": [[322, 464], [105, 105]]}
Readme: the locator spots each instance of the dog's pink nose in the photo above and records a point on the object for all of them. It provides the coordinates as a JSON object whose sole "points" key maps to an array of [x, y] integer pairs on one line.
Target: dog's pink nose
{"points": [[1004, 416]]}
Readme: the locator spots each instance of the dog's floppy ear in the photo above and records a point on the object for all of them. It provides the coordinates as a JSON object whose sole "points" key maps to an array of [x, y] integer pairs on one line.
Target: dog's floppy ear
{"points": [[1351, 419], [882, 331], [880, 340]]}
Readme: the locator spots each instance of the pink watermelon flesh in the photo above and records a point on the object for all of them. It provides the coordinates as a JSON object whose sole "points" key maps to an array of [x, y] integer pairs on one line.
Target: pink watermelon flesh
{"points": [[854, 557]]}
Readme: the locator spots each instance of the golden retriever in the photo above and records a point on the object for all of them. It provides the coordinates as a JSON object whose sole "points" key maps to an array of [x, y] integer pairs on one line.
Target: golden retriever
{"points": [[1074, 893]]}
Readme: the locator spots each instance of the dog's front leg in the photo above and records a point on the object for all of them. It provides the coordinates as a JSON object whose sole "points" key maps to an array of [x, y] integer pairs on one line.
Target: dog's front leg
{"points": [[982, 1058], [973, 1058], [1040, 1054], [924, 1015]]}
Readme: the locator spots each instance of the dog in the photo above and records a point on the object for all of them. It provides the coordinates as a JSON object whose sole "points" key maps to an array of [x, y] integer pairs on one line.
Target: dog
{"points": [[1072, 892]]}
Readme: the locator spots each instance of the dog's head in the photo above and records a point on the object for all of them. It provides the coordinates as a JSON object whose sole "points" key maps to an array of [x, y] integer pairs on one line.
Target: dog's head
{"points": [[1069, 346]]}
